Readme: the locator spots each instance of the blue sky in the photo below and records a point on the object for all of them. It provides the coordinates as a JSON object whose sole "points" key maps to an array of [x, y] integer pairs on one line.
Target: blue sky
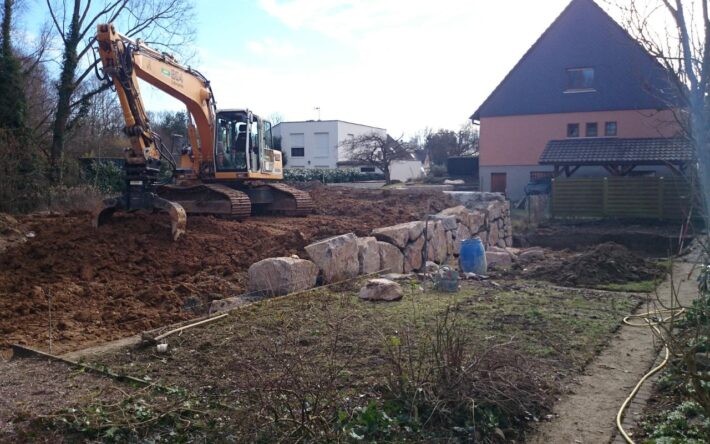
{"points": [[399, 64]]}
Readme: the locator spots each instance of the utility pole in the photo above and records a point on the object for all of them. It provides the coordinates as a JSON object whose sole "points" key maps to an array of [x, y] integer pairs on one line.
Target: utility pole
{"points": [[317, 108]]}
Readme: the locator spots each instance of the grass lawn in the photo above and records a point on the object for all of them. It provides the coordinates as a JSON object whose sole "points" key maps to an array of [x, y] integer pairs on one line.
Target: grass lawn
{"points": [[326, 366]]}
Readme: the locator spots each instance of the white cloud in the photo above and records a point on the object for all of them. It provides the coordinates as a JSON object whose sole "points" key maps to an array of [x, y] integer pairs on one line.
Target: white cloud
{"points": [[273, 48], [403, 65]]}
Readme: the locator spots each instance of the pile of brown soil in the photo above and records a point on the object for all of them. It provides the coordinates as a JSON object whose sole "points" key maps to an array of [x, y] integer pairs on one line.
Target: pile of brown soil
{"points": [[129, 276], [607, 263]]}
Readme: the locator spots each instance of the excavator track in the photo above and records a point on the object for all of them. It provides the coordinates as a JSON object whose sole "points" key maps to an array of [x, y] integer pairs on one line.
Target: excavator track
{"points": [[304, 203], [209, 198], [288, 201]]}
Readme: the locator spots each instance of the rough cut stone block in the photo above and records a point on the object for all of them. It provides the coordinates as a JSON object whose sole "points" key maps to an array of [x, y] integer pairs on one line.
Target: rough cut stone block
{"points": [[448, 222], [449, 243], [282, 275], [416, 229], [532, 254], [494, 210], [460, 212], [476, 221], [368, 253], [484, 237], [399, 234], [462, 233], [436, 245], [391, 258], [381, 290], [413, 255], [498, 259], [493, 235], [337, 257]]}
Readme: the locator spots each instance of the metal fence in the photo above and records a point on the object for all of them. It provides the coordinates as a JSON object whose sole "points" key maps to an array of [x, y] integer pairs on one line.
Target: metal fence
{"points": [[622, 197]]}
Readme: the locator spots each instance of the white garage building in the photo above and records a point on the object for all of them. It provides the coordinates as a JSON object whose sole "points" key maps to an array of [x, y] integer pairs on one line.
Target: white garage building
{"points": [[319, 143]]}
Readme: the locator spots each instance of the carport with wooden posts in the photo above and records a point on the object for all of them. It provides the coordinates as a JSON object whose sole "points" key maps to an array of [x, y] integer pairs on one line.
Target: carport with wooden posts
{"points": [[622, 194]]}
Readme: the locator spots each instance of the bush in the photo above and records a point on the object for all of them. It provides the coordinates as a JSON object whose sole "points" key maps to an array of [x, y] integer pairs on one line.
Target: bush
{"points": [[444, 387], [437, 171], [327, 175], [105, 176]]}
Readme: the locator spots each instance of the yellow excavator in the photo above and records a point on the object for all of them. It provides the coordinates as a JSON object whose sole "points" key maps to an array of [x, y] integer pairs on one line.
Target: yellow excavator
{"points": [[227, 168]]}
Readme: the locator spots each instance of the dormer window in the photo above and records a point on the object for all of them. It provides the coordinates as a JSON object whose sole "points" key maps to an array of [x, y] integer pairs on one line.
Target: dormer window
{"points": [[580, 80]]}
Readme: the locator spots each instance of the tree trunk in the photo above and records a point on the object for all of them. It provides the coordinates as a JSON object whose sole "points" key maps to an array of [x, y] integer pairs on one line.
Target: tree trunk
{"points": [[702, 152], [65, 90]]}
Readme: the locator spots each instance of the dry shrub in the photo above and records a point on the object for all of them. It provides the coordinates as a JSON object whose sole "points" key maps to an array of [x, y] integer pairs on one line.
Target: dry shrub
{"points": [[295, 395], [445, 386], [74, 199], [434, 384]]}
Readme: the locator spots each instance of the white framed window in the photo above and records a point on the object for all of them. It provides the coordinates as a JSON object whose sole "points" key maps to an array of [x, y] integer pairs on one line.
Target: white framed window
{"points": [[297, 144], [580, 80]]}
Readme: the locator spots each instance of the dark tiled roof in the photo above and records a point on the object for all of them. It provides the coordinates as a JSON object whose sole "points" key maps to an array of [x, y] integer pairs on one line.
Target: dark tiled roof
{"points": [[605, 151], [583, 36]]}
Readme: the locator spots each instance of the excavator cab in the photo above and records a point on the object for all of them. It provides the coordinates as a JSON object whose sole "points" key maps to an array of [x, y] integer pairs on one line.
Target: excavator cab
{"points": [[242, 141]]}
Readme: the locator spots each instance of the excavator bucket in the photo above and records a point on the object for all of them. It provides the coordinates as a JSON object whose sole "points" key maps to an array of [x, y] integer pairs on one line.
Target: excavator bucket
{"points": [[178, 217]]}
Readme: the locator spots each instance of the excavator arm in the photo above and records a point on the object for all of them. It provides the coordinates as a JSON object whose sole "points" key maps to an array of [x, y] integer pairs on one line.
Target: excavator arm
{"points": [[125, 61]]}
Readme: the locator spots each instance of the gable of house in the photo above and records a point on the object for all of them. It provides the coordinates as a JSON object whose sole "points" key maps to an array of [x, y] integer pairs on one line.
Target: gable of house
{"points": [[554, 75]]}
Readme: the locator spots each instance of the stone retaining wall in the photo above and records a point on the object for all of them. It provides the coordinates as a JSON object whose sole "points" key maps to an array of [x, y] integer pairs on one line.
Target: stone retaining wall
{"points": [[401, 248]]}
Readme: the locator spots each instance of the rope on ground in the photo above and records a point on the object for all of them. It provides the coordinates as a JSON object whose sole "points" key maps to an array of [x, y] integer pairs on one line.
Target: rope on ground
{"points": [[650, 319]]}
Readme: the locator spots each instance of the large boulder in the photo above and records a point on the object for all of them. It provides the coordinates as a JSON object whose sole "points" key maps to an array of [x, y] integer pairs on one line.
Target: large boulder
{"points": [[282, 275], [460, 213], [436, 243], [532, 254], [336, 257], [495, 210], [450, 243], [391, 258], [381, 290], [368, 253], [476, 221], [413, 255], [493, 234], [399, 234], [448, 221], [497, 259]]}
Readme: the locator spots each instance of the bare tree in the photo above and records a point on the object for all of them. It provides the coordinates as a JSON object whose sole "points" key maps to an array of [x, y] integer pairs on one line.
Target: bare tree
{"points": [[677, 34], [378, 150], [165, 23]]}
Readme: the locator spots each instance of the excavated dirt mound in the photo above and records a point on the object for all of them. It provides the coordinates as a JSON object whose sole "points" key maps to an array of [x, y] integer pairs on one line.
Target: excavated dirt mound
{"points": [[607, 263], [129, 276]]}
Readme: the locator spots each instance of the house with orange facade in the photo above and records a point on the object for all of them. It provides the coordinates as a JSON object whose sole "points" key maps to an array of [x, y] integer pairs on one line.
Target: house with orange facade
{"points": [[585, 100]]}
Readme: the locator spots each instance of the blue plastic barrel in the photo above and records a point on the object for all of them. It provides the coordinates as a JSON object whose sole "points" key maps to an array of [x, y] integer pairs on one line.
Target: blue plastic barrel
{"points": [[472, 256]]}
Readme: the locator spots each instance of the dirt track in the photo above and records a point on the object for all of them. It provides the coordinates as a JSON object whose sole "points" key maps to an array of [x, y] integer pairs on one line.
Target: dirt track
{"points": [[587, 414], [128, 276]]}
